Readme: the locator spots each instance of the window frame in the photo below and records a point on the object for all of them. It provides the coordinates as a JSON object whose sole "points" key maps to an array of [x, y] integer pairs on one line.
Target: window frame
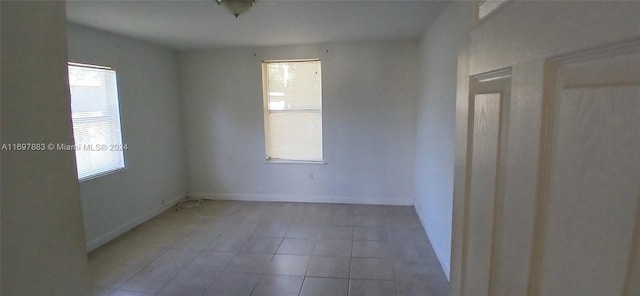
{"points": [[500, 4], [100, 118], [267, 112]]}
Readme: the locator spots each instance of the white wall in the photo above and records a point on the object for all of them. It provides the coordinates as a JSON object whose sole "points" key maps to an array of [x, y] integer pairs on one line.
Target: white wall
{"points": [[369, 94], [435, 132], [151, 126], [42, 235]]}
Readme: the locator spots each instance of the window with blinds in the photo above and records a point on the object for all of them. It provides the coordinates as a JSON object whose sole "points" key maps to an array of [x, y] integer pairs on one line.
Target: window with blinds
{"points": [[96, 120], [293, 110], [486, 7]]}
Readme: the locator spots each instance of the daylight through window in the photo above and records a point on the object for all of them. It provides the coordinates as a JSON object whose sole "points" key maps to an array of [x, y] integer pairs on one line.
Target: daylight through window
{"points": [[293, 110], [96, 120]]}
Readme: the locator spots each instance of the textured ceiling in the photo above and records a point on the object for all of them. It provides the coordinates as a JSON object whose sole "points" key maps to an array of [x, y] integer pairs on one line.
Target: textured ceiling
{"points": [[184, 24]]}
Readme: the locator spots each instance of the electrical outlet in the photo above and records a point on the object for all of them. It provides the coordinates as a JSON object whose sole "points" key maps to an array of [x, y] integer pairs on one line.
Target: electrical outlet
{"points": [[310, 176]]}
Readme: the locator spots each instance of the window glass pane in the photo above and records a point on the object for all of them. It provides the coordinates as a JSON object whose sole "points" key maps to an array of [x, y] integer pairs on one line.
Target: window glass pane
{"points": [[488, 6], [96, 120], [294, 85], [295, 136]]}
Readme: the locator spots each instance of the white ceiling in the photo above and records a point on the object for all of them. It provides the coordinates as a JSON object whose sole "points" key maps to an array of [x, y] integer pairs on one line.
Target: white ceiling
{"points": [[187, 24]]}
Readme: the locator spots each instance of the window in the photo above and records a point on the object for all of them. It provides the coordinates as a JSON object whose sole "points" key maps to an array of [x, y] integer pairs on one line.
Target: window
{"points": [[486, 7], [293, 110], [96, 120]]}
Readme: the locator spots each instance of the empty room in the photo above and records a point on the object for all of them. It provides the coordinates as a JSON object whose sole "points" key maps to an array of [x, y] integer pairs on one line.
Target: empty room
{"points": [[354, 148]]}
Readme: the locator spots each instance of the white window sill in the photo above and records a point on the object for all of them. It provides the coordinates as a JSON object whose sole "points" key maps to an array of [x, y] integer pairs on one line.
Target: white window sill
{"points": [[287, 161], [88, 178]]}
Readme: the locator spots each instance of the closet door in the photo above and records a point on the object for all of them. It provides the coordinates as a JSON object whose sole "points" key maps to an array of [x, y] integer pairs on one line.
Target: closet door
{"points": [[589, 228], [490, 105]]}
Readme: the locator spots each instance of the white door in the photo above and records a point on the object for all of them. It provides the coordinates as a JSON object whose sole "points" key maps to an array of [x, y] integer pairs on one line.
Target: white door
{"points": [[559, 214], [489, 102], [589, 204]]}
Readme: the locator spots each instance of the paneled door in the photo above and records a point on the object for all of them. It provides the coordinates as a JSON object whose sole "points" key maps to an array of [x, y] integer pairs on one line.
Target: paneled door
{"points": [[590, 186], [490, 103]]}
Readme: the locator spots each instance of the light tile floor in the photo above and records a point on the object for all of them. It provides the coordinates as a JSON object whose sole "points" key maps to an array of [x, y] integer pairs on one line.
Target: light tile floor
{"points": [[226, 248]]}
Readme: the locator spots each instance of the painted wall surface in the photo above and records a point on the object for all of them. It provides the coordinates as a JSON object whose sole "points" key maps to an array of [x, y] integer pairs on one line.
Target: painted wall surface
{"points": [[369, 96], [151, 126], [435, 131], [42, 236]]}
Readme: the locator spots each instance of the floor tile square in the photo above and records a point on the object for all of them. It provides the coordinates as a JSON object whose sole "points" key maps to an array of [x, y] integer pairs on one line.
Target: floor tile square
{"points": [[195, 241], [212, 227], [272, 230], [340, 220], [211, 262], [411, 251], [370, 210], [408, 220], [139, 256], [157, 239], [175, 259], [341, 248], [187, 282], [373, 288], [315, 286], [371, 269], [296, 246], [249, 263], [262, 245], [109, 275], [416, 267], [336, 232], [226, 243], [370, 221], [370, 233], [342, 209], [418, 285], [232, 284], [99, 291], [333, 267], [303, 231], [288, 265], [278, 285], [241, 229], [372, 249], [150, 280]]}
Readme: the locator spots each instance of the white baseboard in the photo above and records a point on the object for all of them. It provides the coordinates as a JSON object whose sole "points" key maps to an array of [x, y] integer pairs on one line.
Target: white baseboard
{"points": [[123, 228], [305, 198], [439, 253]]}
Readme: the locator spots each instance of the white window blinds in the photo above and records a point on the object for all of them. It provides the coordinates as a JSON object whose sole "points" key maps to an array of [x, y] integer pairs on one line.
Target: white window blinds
{"points": [[293, 110], [96, 120], [485, 7]]}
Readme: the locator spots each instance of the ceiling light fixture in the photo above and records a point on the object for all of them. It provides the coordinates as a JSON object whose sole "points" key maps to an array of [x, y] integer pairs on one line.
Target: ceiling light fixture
{"points": [[236, 7]]}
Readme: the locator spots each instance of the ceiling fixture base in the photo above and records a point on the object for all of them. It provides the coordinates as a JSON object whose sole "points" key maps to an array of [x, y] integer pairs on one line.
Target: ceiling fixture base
{"points": [[236, 7]]}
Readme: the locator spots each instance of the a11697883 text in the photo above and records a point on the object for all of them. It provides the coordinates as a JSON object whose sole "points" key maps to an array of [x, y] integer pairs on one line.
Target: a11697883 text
{"points": [[62, 147]]}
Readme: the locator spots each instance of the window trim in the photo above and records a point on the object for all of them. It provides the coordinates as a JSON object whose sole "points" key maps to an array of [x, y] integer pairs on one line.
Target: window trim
{"points": [[289, 61], [266, 112], [118, 107], [479, 20], [286, 161]]}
